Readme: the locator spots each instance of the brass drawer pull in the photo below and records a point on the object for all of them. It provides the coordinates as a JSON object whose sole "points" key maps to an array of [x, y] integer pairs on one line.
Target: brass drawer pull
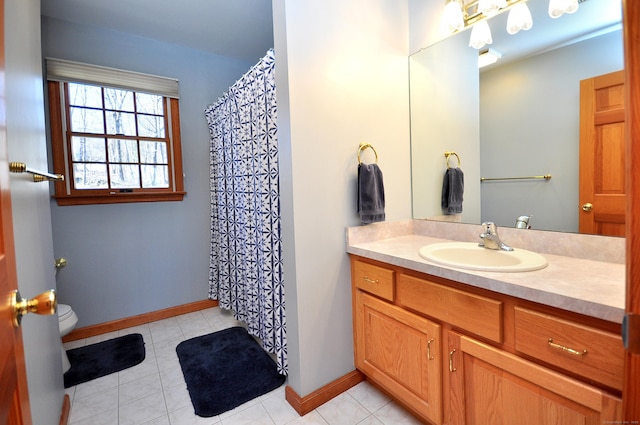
{"points": [[451, 368], [368, 280], [567, 349], [429, 356]]}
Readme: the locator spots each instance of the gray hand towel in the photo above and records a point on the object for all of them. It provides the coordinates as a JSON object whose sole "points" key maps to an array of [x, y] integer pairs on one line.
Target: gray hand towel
{"points": [[370, 193], [452, 190]]}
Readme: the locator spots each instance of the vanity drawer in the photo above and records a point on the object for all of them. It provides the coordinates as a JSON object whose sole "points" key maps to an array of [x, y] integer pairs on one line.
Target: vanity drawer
{"points": [[373, 279], [470, 312], [589, 352]]}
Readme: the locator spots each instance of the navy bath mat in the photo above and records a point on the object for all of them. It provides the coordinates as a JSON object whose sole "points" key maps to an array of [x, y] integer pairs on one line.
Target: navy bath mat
{"points": [[226, 369], [103, 358]]}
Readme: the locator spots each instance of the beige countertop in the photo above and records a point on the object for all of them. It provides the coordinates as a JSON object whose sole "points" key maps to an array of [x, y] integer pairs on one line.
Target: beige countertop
{"points": [[585, 286]]}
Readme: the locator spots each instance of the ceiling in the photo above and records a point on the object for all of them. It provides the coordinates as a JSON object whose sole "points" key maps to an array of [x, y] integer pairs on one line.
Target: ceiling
{"points": [[242, 29]]}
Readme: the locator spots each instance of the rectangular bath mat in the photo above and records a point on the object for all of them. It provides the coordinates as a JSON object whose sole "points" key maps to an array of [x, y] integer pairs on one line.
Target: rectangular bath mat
{"points": [[103, 358], [226, 369]]}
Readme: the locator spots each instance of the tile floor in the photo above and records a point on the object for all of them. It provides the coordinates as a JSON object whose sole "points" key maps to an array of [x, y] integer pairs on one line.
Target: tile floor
{"points": [[154, 392]]}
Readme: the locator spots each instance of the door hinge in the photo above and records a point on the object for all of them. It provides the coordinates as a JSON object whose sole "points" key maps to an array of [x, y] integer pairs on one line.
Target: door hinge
{"points": [[631, 332]]}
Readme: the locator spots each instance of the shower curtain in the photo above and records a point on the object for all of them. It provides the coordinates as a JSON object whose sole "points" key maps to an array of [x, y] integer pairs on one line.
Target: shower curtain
{"points": [[245, 269]]}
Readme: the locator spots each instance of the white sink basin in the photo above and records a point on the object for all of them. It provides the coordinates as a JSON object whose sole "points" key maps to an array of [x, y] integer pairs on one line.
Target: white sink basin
{"points": [[468, 255]]}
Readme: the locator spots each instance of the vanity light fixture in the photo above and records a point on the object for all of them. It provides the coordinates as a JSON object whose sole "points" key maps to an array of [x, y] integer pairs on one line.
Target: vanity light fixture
{"points": [[559, 7], [519, 18], [459, 14], [488, 57]]}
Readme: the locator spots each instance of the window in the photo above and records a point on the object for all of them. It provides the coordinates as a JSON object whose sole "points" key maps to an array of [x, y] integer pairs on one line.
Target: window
{"points": [[115, 135]]}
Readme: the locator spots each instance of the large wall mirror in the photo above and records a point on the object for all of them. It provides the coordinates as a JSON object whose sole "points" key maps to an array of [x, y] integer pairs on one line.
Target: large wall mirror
{"points": [[516, 118]]}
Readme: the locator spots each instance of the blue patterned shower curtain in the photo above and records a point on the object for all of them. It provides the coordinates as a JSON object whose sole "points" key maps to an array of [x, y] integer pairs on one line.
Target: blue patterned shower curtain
{"points": [[245, 271]]}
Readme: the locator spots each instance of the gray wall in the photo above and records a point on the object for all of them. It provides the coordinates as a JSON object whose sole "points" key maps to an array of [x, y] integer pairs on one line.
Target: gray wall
{"points": [[128, 259], [444, 84], [30, 204], [530, 125], [342, 78]]}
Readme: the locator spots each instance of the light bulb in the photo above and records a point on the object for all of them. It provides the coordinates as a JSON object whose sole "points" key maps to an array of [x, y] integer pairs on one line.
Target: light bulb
{"points": [[452, 18], [559, 7], [572, 6], [519, 18], [480, 35]]}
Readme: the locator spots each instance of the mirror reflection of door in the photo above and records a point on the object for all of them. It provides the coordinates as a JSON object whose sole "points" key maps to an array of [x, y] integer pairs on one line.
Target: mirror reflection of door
{"points": [[602, 155]]}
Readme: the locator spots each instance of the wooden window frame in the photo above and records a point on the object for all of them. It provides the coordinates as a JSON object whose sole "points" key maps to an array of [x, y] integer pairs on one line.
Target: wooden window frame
{"points": [[66, 194]]}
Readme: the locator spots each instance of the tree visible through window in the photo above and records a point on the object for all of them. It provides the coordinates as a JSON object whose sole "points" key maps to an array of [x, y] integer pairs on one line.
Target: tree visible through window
{"points": [[114, 145], [131, 151]]}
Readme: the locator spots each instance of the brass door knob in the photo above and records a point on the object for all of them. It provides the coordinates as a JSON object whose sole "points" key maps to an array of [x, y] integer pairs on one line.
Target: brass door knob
{"points": [[587, 207], [44, 303]]}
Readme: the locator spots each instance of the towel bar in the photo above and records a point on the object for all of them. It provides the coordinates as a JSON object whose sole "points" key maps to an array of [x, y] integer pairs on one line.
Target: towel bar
{"points": [[448, 155], [364, 146], [546, 177]]}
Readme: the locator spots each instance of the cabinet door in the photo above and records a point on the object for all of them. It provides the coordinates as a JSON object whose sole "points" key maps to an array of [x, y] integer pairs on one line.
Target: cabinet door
{"points": [[400, 351], [495, 387]]}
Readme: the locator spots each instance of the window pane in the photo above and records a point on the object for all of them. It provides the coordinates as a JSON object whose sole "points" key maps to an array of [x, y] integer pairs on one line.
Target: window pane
{"points": [[84, 95], [90, 176], [85, 120], [121, 123], [153, 152], [115, 145], [155, 175], [149, 104], [151, 126], [124, 176], [88, 149], [123, 151], [121, 100]]}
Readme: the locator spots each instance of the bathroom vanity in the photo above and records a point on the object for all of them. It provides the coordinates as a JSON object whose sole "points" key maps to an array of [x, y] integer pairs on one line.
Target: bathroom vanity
{"points": [[465, 347]]}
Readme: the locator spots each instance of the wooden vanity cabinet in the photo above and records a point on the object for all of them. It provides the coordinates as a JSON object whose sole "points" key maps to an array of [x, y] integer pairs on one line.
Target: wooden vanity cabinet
{"points": [[400, 352], [487, 385], [586, 351], [462, 357]]}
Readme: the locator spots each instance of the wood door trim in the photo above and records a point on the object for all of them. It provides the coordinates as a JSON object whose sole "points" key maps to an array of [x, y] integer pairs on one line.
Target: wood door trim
{"points": [[631, 35], [66, 410]]}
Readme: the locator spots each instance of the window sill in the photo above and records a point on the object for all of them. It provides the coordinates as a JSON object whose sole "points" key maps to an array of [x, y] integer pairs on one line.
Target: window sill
{"points": [[119, 198]]}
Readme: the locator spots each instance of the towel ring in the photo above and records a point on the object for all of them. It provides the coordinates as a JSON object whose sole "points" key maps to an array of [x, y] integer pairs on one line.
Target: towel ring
{"points": [[449, 155], [364, 146]]}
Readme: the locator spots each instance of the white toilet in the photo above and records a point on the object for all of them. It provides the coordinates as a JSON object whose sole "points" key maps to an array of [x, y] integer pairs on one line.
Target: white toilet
{"points": [[67, 320]]}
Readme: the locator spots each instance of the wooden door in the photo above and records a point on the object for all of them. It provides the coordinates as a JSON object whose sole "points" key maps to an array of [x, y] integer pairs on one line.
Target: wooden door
{"points": [[602, 155], [400, 351], [14, 399], [631, 30], [499, 388]]}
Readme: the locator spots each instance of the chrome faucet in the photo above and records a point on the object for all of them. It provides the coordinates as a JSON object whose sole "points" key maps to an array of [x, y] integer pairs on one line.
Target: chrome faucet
{"points": [[490, 239], [522, 222]]}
